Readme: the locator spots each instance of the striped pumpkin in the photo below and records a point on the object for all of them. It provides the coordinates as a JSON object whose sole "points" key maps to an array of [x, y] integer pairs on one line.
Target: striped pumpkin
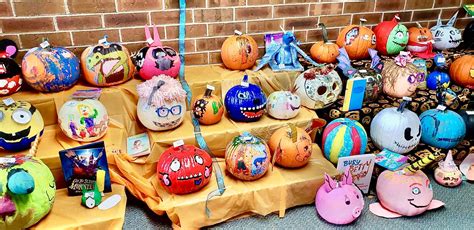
{"points": [[343, 137]]}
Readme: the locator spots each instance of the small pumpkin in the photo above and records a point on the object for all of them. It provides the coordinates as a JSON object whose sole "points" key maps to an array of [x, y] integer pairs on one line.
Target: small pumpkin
{"points": [[247, 157], [239, 51], [184, 169], [462, 71], [10, 71], [420, 41], [447, 173], [208, 107], [442, 128], [283, 105], [392, 36], [446, 36], [324, 51], [245, 102], [291, 146], [436, 77], [357, 40], [400, 77]]}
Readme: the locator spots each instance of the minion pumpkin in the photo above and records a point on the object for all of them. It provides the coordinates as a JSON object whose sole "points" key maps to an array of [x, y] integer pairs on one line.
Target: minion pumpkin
{"points": [[20, 123]]}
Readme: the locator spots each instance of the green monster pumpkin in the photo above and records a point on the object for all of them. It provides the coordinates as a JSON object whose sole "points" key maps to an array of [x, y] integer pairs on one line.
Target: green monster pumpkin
{"points": [[392, 37], [27, 191]]}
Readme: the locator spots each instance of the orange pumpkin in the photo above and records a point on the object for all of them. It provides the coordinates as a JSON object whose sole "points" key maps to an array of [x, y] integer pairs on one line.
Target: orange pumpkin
{"points": [[419, 41], [324, 51], [239, 51], [462, 71], [291, 146], [208, 108], [357, 39]]}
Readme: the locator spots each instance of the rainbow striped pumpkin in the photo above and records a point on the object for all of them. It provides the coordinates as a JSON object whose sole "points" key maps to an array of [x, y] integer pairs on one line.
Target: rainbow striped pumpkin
{"points": [[343, 137]]}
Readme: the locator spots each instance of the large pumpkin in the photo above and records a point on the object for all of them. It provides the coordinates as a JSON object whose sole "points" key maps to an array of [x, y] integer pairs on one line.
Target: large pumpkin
{"points": [[245, 102], [442, 129], [343, 137], [10, 71], [27, 191], [208, 108], [446, 36], [106, 64], [184, 169], [392, 37], [291, 146], [156, 59], [283, 104], [318, 87], [462, 71], [20, 123], [357, 39], [85, 120], [324, 51], [401, 81], [239, 52], [50, 69], [420, 41], [247, 157], [161, 104]]}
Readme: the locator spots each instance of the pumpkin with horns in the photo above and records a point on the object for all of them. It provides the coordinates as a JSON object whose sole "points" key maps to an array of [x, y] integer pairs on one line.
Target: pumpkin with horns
{"points": [[239, 52], [291, 146], [462, 71], [324, 51], [357, 39]]}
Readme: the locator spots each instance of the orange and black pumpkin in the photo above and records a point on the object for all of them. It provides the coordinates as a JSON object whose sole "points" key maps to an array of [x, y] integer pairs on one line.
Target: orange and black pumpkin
{"points": [[357, 39], [324, 51], [239, 51], [462, 71], [208, 108]]}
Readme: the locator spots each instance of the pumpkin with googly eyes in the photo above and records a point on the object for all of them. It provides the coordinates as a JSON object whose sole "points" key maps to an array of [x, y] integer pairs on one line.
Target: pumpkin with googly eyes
{"points": [[184, 169], [20, 123], [401, 81]]}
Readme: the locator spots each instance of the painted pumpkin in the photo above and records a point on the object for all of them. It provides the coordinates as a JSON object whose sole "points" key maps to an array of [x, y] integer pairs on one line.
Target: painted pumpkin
{"points": [[83, 120], [343, 137], [462, 71], [442, 129], [447, 173], [245, 102], [401, 81], [396, 129], [357, 40], [247, 157], [10, 71], [20, 123], [446, 36], [420, 41], [27, 191], [318, 87], [324, 51], [161, 104], [106, 64], [208, 108], [184, 169], [392, 37], [468, 35], [239, 52], [50, 69], [156, 59], [436, 77], [291, 146], [283, 105]]}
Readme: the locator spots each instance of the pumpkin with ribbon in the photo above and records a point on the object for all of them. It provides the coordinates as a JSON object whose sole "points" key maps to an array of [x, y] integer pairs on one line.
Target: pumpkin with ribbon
{"points": [[239, 51], [291, 146], [400, 76], [324, 51], [446, 36], [392, 36], [442, 128], [10, 71], [462, 71], [156, 59], [357, 40], [245, 102], [420, 41], [208, 107]]}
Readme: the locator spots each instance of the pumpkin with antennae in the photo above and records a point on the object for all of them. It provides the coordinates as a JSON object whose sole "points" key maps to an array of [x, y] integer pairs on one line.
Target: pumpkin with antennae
{"points": [[324, 51], [357, 39]]}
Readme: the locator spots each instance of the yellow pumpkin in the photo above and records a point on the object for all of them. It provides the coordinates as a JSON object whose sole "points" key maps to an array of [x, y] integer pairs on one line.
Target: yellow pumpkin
{"points": [[324, 51], [291, 146], [239, 52], [462, 71]]}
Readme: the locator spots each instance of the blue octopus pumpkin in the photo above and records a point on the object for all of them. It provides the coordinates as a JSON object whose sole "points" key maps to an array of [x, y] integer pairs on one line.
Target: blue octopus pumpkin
{"points": [[245, 103], [442, 129]]}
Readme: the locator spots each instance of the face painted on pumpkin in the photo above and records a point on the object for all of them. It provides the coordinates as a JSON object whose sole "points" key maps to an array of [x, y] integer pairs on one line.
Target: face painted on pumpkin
{"points": [[397, 39], [245, 103], [165, 117], [283, 105], [399, 81], [446, 36], [442, 129]]}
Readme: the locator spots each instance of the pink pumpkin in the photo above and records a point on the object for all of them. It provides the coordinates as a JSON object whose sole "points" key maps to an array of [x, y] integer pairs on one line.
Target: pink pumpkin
{"points": [[339, 202], [403, 195], [156, 59]]}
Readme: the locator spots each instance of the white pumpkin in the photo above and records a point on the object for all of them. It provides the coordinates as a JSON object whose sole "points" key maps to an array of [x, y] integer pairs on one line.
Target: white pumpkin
{"points": [[283, 105], [318, 87], [446, 36], [396, 129], [161, 104], [83, 120]]}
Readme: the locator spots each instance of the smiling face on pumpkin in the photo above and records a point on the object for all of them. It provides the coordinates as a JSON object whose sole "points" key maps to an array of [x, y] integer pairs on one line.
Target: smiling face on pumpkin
{"points": [[245, 103], [283, 104], [398, 39], [167, 116]]}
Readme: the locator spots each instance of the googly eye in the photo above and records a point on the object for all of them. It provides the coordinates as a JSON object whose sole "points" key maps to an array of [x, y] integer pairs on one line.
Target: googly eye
{"points": [[198, 159], [415, 190], [21, 116], [175, 165]]}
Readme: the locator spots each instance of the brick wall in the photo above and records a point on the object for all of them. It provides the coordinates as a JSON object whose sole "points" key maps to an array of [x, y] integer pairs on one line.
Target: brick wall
{"points": [[79, 23]]}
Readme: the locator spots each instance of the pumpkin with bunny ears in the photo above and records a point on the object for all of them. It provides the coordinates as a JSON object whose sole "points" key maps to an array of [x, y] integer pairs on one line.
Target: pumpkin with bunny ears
{"points": [[446, 36]]}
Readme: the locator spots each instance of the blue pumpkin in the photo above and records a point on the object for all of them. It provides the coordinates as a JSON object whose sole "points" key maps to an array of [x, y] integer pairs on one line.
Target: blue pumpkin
{"points": [[442, 129], [434, 77], [245, 103]]}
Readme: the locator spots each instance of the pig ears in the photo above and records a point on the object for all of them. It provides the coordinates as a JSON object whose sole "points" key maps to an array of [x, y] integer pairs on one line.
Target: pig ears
{"points": [[8, 47], [329, 183], [452, 20], [347, 177]]}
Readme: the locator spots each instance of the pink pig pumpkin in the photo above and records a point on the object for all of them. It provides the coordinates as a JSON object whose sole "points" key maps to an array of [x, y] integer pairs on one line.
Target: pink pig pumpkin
{"points": [[156, 59], [339, 202], [403, 195]]}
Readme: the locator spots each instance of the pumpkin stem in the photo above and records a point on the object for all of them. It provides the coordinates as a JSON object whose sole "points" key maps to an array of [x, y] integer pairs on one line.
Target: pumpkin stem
{"points": [[362, 21], [208, 92], [404, 103], [325, 32], [419, 25], [293, 133]]}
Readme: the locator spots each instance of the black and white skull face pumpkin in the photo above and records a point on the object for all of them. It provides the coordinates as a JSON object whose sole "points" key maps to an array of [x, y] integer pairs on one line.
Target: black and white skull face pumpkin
{"points": [[446, 36], [318, 87]]}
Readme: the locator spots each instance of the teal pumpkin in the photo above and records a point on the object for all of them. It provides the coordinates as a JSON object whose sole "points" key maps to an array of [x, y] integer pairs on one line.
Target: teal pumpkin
{"points": [[442, 129]]}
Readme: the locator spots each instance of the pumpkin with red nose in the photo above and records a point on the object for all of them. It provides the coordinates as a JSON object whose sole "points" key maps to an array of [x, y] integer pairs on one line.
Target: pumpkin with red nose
{"points": [[184, 169]]}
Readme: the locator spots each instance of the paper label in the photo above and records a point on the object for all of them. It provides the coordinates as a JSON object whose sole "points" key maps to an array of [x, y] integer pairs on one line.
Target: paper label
{"points": [[441, 60], [246, 138], [363, 71], [470, 112], [244, 84], [237, 32], [149, 40], [44, 44], [407, 98], [441, 107], [7, 160], [178, 143], [210, 87], [8, 101], [102, 41]]}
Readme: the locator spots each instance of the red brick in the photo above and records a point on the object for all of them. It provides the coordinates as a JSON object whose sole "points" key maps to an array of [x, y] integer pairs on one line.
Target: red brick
{"points": [[253, 13], [28, 8], [215, 58], [91, 6], [264, 26], [79, 22], [301, 23], [169, 17], [123, 20], [300, 36], [222, 3], [448, 13], [446, 3], [207, 44], [77, 50], [138, 5], [358, 7], [339, 20], [55, 39], [425, 15], [87, 38], [372, 18], [264, 2], [189, 43], [174, 4], [13, 25], [300, 1], [404, 16], [258, 38], [325, 9], [424, 4], [196, 59], [317, 35], [290, 11], [213, 15], [219, 29], [138, 34], [192, 31], [5, 9], [462, 22], [385, 5]]}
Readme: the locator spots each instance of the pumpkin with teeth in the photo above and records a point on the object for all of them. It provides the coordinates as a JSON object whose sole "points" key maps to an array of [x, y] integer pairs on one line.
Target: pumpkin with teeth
{"points": [[446, 36], [184, 169], [245, 102], [420, 41]]}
